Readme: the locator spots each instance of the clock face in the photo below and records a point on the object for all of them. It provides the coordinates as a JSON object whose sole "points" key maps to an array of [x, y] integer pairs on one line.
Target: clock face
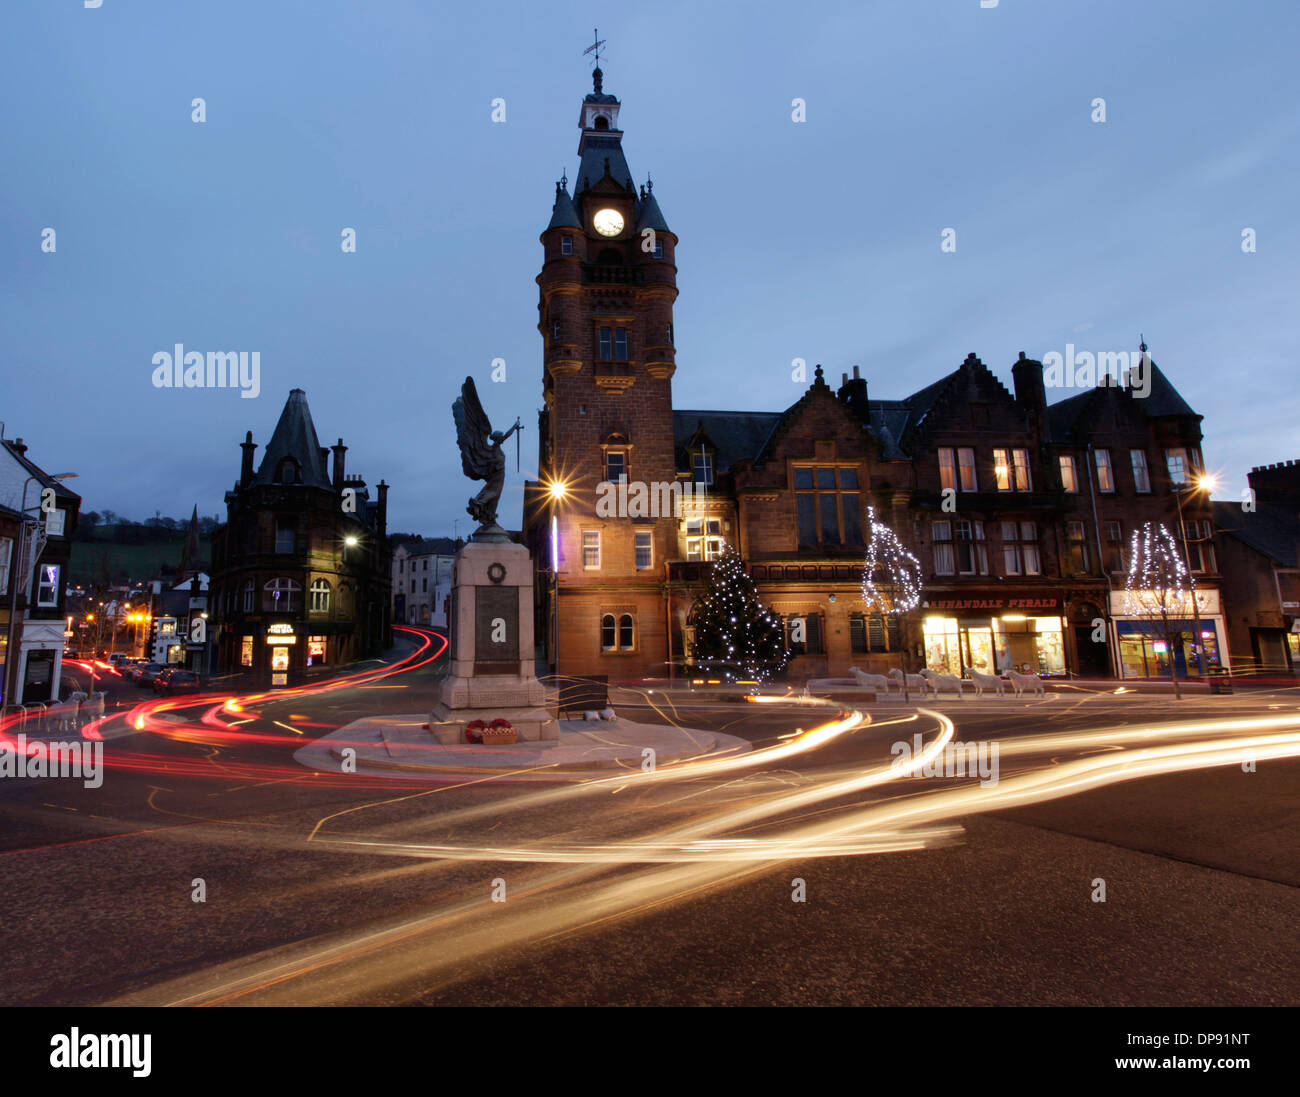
{"points": [[608, 222]]}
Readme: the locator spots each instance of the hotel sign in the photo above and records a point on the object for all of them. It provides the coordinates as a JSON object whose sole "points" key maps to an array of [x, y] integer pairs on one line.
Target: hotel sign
{"points": [[280, 633], [990, 601]]}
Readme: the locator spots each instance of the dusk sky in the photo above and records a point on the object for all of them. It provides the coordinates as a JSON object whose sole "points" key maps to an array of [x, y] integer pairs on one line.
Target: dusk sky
{"points": [[817, 240]]}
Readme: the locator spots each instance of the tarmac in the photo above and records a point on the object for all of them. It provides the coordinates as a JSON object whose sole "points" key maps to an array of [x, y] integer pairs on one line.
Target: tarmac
{"points": [[400, 746]]}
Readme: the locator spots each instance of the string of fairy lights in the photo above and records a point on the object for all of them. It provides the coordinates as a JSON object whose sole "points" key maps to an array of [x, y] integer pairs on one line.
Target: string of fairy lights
{"points": [[891, 576], [1157, 579], [731, 623]]}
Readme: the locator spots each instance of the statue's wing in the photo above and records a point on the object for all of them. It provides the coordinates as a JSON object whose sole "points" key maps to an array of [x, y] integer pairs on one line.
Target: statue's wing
{"points": [[472, 431]]}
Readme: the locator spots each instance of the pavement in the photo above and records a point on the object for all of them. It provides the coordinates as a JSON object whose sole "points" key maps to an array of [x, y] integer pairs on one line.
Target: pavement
{"points": [[401, 746]]}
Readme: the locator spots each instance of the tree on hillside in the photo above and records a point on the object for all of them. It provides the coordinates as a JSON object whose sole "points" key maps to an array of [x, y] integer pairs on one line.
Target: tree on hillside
{"points": [[733, 628]]}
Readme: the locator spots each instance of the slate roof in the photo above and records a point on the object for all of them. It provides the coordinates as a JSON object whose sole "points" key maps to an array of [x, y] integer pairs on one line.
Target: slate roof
{"points": [[563, 213], [649, 216], [596, 149], [295, 436], [430, 546], [738, 435], [40, 477], [1271, 531], [1163, 400]]}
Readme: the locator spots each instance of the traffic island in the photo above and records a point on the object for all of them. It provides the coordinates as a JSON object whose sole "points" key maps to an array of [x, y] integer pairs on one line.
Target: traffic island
{"points": [[401, 747]]}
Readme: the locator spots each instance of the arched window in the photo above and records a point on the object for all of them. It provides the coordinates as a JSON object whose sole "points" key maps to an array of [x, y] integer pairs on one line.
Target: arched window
{"points": [[280, 596], [249, 591], [602, 123], [320, 596], [608, 633], [626, 632]]}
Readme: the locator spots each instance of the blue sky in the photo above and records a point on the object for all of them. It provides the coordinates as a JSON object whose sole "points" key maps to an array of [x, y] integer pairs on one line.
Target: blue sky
{"points": [[817, 240]]}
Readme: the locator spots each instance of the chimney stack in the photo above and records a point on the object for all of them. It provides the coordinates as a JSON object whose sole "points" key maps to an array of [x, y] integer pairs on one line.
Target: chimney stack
{"points": [[246, 466], [853, 391], [339, 450], [1030, 391], [382, 516]]}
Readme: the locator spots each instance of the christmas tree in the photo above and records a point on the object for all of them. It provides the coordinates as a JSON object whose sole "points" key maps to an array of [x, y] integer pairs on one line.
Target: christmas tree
{"points": [[733, 629], [1156, 589]]}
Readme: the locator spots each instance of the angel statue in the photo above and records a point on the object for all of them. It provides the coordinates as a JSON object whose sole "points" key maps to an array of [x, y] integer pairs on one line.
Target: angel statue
{"points": [[481, 459]]}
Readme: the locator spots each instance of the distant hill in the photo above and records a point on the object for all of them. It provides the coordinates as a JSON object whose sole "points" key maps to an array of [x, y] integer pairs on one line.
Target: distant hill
{"points": [[119, 553]]}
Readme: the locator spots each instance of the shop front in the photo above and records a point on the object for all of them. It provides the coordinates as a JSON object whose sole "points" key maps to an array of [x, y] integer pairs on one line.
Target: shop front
{"points": [[993, 632], [1150, 643]]}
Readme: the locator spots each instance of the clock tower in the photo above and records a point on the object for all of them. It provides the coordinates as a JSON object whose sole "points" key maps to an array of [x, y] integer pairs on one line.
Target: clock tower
{"points": [[605, 313]]}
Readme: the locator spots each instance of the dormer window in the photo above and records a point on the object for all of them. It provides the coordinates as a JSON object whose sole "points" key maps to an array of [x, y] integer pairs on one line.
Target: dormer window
{"points": [[288, 472], [702, 464]]}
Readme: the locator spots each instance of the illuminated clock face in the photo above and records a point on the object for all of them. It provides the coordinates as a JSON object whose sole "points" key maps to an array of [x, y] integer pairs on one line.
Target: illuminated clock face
{"points": [[608, 222]]}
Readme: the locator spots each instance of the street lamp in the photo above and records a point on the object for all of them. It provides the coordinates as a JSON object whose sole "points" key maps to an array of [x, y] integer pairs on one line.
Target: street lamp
{"points": [[1198, 484], [20, 570], [557, 489]]}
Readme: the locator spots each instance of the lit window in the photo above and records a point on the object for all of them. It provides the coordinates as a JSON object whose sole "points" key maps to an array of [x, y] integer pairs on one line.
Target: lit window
{"points": [[947, 470], [591, 549], [1105, 474], [615, 465], [644, 549], [1069, 478], [702, 547], [1002, 470], [320, 596]]}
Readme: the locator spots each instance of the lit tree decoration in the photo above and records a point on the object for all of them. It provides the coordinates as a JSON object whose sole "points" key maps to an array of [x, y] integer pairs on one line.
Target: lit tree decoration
{"points": [[891, 579], [733, 628], [1157, 586]]}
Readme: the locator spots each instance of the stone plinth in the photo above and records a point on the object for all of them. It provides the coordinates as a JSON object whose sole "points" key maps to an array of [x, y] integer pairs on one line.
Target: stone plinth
{"points": [[491, 626]]}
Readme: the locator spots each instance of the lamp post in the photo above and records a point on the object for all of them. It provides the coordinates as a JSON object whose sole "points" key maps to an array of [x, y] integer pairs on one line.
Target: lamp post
{"points": [[1206, 484], [558, 490], [20, 569]]}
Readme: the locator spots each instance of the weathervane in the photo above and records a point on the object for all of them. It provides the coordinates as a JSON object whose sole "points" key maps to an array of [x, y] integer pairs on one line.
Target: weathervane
{"points": [[595, 46]]}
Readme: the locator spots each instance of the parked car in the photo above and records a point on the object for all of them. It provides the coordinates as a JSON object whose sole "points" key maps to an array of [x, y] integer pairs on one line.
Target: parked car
{"points": [[116, 659], [148, 673], [177, 681]]}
